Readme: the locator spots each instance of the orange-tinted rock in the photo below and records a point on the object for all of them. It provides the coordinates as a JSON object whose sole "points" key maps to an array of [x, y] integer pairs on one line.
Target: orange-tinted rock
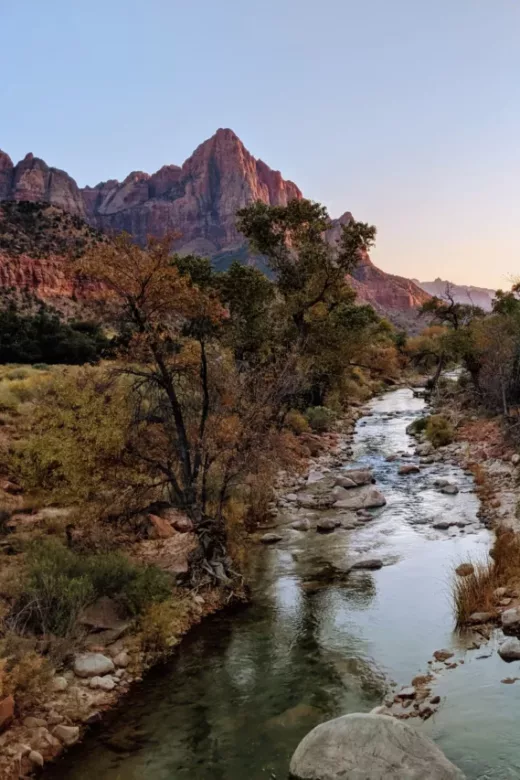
{"points": [[6, 712], [161, 528], [199, 200]]}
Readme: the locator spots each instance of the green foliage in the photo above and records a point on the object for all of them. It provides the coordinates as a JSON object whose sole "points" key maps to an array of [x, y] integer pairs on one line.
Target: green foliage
{"points": [[78, 435], [248, 295], [418, 426], [60, 583], [320, 418], [439, 430], [296, 422], [42, 337]]}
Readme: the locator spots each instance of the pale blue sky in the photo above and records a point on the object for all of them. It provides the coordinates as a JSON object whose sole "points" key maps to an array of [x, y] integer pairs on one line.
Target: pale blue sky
{"points": [[406, 112]]}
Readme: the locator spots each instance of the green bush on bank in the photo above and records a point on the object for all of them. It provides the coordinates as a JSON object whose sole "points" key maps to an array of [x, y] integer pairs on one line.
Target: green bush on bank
{"points": [[320, 418], [439, 430], [60, 583]]}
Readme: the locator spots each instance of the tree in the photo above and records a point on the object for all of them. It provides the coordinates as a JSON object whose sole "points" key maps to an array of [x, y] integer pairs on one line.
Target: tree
{"points": [[309, 268], [314, 312]]}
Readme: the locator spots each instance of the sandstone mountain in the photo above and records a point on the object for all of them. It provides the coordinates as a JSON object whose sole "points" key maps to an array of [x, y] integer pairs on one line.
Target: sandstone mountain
{"points": [[476, 296], [199, 199]]}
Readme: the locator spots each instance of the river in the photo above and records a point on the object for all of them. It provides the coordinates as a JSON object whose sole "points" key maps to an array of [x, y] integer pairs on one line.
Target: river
{"points": [[247, 685]]}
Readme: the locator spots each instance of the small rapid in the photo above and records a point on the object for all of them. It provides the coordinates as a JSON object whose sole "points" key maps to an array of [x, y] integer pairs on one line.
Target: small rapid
{"points": [[247, 685]]}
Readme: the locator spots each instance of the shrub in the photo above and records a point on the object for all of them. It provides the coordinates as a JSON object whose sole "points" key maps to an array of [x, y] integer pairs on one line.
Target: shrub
{"points": [[418, 426], [26, 678], [320, 418], [439, 430], [474, 593], [296, 422], [8, 400], [60, 583], [162, 624], [16, 373], [149, 586]]}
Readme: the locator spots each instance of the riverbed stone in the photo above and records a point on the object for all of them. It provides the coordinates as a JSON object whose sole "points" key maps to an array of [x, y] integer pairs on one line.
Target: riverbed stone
{"points": [[510, 649], [364, 498], [270, 538], [359, 476], [443, 655], [326, 526], [301, 525], [369, 747], [92, 665], [370, 564], [345, 483], [450, 490], [510, 620], [408, 468], [314, 476]]}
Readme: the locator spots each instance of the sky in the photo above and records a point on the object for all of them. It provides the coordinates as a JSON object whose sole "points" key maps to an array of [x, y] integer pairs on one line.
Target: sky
{"points": [[405, 112]]}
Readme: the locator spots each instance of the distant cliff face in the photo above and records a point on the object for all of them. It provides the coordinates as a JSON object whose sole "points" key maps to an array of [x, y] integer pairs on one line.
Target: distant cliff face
{"points": [[475, 296], [199, 200]]}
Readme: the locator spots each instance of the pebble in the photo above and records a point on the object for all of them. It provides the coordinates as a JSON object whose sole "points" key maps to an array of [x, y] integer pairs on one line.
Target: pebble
{"points": [[36, 758], [67, 734], [59, 684]]}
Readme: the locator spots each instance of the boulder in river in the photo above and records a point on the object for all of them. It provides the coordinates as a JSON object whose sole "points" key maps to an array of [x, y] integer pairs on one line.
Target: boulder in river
{"points": [[345, 482], [370, 564], [359, 476], [326, 526], [408, 468], [450, 490], [369, 747], [301, 525], [511, 621], [364, 498], [270, 538], [510, 650]]}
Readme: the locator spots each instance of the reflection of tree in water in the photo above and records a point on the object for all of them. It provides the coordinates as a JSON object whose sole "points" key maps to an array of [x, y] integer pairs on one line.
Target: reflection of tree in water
{"points": [[243, 690]]}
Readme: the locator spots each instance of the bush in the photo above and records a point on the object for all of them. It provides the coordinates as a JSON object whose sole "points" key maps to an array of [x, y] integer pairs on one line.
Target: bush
{"points": [[439, 430], [320, 418], [162, 624], [418, 426], [61, 583], [296, 422]]}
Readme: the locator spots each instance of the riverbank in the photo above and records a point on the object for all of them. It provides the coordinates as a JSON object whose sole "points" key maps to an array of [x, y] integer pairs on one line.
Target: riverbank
{"points": [[312, 644], [67, 703]]}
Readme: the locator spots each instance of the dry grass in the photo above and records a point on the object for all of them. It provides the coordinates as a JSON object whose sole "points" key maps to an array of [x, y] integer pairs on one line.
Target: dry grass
{"points": [[475, 593]]}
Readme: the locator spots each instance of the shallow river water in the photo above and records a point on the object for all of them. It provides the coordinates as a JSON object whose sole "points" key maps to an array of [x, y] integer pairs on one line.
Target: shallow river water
{"points": [[246, 686]]}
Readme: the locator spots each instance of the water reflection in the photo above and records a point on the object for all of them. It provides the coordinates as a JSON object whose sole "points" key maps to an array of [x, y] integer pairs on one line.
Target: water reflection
{"points": [[245, 687]]}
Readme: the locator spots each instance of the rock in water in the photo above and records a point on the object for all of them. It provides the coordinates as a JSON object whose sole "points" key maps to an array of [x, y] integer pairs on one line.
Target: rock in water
{"points": [[511, 621], [270, 538], [362, 498], [510, 650], [369, 747], [326, 526], [408, 468]]}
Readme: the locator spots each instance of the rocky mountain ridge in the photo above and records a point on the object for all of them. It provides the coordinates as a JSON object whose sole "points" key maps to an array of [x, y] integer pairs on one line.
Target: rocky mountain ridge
{"points": [[198, 199], [462, 293]]}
